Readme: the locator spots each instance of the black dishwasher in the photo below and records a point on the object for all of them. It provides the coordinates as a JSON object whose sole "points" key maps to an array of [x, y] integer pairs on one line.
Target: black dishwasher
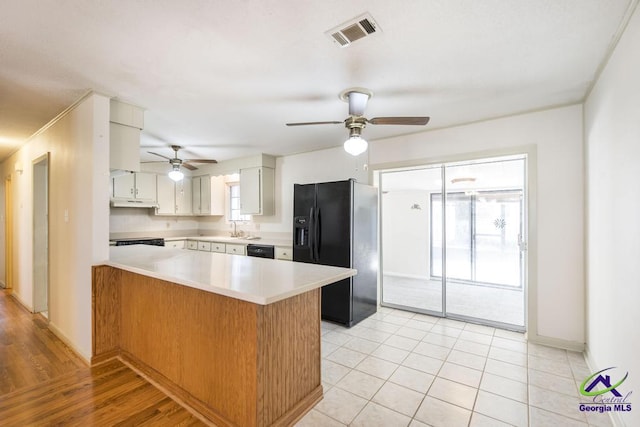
{"points": [[261, 251]]}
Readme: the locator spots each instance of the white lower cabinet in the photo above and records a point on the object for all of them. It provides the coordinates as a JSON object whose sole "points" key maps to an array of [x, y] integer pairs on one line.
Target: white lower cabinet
{"points": [[204, 246], [284, 253], [222, 248], [175, 244], [218, 247], [236, 249]]}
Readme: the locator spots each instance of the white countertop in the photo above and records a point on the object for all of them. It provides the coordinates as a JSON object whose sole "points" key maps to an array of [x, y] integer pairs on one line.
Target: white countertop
{"points": [[257, 280], [238, 240]]}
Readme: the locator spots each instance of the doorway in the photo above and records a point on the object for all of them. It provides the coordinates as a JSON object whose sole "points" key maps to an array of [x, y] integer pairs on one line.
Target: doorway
{"points": [[8, 232], [41, 235], [453, 240]]}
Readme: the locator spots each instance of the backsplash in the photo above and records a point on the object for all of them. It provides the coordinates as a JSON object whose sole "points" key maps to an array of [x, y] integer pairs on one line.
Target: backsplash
{"points": [[140, 222]]}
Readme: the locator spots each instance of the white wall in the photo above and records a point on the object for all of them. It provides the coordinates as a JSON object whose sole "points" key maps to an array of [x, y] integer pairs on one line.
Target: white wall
{"points": [[557, 137], [333, 164], [79, 170], [612, 141], [405, 235]]}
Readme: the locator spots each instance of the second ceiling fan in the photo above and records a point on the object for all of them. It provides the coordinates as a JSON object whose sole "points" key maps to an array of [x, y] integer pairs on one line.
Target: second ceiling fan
{"points": [[357, 99], [175, 162]]}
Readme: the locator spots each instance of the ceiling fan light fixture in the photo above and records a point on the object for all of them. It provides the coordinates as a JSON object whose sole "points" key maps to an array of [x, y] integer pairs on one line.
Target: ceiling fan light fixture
{"points": [[355, 145], [176, 174]]}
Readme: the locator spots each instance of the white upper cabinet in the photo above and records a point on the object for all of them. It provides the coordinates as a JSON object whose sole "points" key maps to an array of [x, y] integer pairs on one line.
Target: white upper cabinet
{"points": [[145, 186], [135, 187], [196, 199], [183, 197], [166, 196], [126, 121], [124, 186], [208, 195], [174, 198], [126, 114], [257, 188]]}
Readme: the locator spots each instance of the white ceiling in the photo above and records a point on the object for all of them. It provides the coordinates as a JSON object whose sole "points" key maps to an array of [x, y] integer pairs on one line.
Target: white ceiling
{"points": [[222, 78]]}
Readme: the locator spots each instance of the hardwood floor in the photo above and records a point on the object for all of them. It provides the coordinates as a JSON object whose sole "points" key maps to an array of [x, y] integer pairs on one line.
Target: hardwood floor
{"points": [[42, 382]]}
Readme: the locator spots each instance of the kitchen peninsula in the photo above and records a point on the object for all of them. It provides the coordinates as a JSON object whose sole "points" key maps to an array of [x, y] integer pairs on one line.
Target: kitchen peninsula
{"points": [[237, 338]]}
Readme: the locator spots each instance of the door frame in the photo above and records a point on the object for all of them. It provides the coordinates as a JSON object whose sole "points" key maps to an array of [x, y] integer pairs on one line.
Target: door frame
{"points": [[38, 191], [530, 212], [8, 232]]}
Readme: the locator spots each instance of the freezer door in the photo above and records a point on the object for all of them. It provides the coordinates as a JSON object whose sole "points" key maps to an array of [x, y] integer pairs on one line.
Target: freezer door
{"points": [[303, 207]]}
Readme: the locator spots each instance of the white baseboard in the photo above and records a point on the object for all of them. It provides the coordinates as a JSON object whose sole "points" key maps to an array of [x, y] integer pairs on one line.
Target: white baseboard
{"points": [[22, 302], [62, 337], [56, 331], [556, 342], [615, 418]]}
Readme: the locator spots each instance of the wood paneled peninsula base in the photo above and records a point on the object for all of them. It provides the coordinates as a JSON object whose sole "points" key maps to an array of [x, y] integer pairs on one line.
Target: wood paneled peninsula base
{"points": [[234, 361]]}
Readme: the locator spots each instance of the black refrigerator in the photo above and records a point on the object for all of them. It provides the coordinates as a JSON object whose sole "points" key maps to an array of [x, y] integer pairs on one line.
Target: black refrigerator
{"points": [[336, 223]]}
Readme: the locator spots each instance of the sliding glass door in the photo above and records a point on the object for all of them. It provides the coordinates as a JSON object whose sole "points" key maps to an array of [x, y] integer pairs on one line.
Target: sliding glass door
{"points": [[406, 235], [453, 238]]}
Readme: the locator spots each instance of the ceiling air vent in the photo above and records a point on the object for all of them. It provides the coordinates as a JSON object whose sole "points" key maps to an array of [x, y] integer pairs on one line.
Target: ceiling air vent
{"points": [[354, 29]]}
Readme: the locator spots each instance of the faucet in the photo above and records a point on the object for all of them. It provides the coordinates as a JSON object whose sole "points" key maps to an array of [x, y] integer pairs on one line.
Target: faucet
{"points": [[236, 233]]}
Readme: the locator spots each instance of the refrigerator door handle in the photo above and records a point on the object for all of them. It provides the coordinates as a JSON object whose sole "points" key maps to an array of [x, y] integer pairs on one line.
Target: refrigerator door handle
{"points": [[316, 235], [312, 236]]}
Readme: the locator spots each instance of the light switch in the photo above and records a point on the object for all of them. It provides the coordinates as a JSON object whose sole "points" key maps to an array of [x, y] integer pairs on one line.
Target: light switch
{"points": [[66, 215]]}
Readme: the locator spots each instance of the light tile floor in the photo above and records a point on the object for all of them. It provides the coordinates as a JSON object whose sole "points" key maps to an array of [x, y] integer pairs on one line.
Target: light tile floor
{"points": [[398, 368], [499, 304]]}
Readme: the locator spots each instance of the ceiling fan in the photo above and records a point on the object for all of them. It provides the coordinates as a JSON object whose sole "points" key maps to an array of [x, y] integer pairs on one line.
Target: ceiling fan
{"points": [[175, 162], [357, 99]]}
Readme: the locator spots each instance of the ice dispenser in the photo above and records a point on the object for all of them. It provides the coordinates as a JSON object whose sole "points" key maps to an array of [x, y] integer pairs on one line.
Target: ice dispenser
{"points": [[301, 231]]}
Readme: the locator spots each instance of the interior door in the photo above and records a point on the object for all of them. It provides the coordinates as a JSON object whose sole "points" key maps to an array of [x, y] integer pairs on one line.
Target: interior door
{"points": [[41, 235], [8, 232]]}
